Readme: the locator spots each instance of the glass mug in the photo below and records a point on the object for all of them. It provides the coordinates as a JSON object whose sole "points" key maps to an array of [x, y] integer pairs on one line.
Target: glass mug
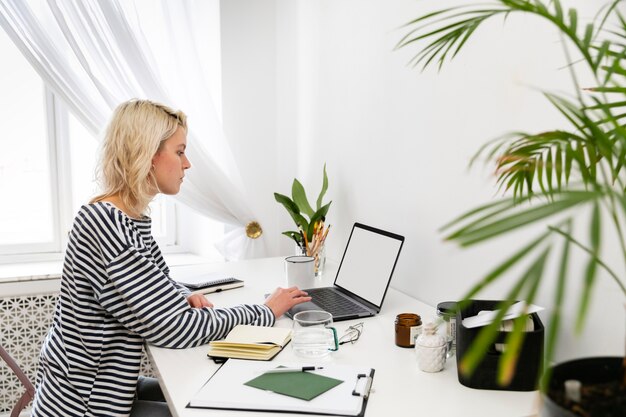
{"points": [[313, 335]]}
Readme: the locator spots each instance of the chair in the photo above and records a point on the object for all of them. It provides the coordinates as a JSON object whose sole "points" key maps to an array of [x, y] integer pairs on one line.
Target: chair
{"points": [[30, 389]]}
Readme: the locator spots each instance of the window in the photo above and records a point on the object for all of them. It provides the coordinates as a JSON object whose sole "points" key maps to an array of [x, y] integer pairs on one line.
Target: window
{"points": [[47, 162], [27, 219], [47, 168]]}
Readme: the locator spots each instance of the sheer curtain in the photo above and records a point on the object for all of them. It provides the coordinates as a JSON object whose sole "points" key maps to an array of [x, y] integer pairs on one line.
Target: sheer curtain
{"points": [[96, 54]]}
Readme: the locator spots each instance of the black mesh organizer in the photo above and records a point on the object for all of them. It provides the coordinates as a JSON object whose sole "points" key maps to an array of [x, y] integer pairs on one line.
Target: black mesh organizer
{"points": [[530, 363]]}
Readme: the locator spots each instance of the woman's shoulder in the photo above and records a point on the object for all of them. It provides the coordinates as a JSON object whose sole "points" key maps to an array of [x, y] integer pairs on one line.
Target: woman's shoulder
{"points": [[99, 208], [101, 215]]}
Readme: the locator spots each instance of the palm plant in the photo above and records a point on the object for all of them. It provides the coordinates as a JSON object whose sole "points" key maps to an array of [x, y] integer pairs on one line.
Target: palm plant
{"points": [[561, 179]]}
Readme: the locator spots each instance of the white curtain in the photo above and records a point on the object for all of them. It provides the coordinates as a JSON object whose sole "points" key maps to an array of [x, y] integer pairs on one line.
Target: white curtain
{"points": [[95, 55]]}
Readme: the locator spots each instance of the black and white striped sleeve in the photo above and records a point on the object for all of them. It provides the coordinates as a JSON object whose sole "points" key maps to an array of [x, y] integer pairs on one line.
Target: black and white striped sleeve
{"points": [[146, 301], [158, 257]]}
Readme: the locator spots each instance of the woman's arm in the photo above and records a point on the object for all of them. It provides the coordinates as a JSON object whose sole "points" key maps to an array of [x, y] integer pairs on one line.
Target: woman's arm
{"points": [[141, 297]]}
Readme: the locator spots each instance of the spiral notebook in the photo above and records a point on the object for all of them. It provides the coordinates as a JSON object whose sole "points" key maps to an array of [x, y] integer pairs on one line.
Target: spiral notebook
{"points": [[206, 284]]}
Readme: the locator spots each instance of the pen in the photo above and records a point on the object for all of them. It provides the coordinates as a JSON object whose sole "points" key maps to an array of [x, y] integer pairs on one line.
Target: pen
{"points": [[302, 369]]}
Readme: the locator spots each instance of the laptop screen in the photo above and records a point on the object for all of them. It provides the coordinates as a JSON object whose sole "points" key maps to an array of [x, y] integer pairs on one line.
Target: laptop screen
{"points": [[368, 262]]}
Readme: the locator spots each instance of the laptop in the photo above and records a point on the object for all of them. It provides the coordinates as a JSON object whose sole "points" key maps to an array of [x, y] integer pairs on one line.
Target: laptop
{"points": [[363, 276]]}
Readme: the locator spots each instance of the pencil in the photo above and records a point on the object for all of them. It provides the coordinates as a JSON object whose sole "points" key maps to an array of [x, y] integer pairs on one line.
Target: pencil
{"points": [[326, 233]]}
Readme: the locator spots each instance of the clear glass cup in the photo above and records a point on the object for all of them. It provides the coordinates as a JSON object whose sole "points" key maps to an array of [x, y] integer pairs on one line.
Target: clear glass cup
{"points": [[313, 335], [320, 258]]}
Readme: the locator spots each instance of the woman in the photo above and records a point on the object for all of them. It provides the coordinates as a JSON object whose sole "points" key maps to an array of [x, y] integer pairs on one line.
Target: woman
{"points": [[116, 291]]}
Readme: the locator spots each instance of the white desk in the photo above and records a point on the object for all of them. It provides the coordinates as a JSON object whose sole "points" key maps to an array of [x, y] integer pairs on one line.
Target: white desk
{"points": [[400, 388]]}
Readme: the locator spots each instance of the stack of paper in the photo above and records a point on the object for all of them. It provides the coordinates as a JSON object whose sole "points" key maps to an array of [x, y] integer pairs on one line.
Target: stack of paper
{"points": [[251, 342], [484, 318]]}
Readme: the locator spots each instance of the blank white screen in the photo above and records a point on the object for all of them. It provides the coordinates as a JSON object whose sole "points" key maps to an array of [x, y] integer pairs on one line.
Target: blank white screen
{"points": [[367, 264]]}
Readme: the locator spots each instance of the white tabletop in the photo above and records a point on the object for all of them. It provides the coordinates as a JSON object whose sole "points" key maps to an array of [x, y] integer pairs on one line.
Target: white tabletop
{"points": [[399, 386]]}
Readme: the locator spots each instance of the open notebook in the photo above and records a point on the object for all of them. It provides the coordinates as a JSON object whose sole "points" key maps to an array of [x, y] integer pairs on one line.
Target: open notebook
{"points": [[251, 342]]}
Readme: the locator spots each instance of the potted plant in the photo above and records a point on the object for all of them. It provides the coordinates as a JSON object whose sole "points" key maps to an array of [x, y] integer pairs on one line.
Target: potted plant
{"points": [[312, 231], [560, 178]]}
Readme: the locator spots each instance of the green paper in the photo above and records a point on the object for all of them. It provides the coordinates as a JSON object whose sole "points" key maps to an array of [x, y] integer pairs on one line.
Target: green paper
{"points": [[303, 385]]}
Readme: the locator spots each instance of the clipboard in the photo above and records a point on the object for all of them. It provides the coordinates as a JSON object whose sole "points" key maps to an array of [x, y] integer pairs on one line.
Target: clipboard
{"points": [[225, 390]]}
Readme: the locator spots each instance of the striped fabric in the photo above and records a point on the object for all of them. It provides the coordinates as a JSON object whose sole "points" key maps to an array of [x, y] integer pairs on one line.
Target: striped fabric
{"points": [[116, 293]]}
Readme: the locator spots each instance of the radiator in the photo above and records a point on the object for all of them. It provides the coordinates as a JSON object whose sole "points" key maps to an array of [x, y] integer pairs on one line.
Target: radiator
{"points": [[24, 322]]}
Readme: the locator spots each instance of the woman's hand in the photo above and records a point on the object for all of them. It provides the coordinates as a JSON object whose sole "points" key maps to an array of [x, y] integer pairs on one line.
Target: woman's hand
{"points": [[199, 301], [283, 299]]}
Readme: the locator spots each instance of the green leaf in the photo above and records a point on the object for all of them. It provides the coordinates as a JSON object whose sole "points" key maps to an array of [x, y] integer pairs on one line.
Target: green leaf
{"points": [[299, 197], [588, 35], [549, 166], [621, 90], [487, 335], [559, 294], [568, 161], [558, 10], [540, 178], [502, 268], [573, 20], [602, 52], [515, 339], [487, 210], [558, 166], [319, 215], [295, 236], [592, 267], [490, 227], [323, 191], [590, 252], [292, 209], [445, 30]]}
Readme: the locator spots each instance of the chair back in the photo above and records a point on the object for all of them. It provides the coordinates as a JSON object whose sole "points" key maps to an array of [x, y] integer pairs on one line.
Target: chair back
{"points": [[30, 389]]}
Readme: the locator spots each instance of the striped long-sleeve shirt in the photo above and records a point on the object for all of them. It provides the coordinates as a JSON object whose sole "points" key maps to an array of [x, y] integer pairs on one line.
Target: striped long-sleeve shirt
{"points": [[115, 294]]}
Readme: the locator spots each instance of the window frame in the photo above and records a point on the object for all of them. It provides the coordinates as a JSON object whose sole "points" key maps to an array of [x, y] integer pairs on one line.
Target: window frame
{"points": [[25, 252], [57, 130]]}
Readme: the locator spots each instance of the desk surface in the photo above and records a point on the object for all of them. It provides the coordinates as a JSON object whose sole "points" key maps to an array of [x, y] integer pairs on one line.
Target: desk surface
{"points": [[399, 386]]}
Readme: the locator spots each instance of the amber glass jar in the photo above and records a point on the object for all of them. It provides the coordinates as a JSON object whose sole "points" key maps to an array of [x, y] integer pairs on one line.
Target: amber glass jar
{"points": [[408, 326]]}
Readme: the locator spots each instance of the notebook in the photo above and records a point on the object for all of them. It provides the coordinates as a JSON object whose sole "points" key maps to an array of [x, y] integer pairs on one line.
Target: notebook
{"points": [[204, 285], [251, 342], [363, 277], [303, 385]]}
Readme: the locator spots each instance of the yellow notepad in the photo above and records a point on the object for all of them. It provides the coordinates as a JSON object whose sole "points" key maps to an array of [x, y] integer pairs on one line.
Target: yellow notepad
{"points": [[251, 342]]}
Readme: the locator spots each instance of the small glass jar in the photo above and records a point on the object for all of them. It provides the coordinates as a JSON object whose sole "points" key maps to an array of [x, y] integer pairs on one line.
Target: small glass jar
{"points": [[408, 327], [447, 311]]}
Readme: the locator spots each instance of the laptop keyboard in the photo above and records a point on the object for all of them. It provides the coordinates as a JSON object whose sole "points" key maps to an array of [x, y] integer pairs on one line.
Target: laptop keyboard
{"points": [[334, 302]]}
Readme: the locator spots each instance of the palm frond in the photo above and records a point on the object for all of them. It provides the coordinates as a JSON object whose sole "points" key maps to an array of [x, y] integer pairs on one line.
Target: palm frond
{"points": [[488, 226]]}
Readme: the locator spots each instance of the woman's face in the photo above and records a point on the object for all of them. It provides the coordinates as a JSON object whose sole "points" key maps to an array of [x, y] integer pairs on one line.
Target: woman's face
{"points": [[170, 162]]}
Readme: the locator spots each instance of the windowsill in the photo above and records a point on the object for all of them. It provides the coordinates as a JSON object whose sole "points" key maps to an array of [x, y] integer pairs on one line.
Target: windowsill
{"points": [[51, 270]]}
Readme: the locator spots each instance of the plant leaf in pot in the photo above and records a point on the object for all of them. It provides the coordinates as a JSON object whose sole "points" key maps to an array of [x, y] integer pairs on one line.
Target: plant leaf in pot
{"points": [[570, 181], [312, 230]]}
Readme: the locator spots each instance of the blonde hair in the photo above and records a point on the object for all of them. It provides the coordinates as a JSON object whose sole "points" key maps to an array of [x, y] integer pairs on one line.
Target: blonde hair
{"points": [[134, 135]]}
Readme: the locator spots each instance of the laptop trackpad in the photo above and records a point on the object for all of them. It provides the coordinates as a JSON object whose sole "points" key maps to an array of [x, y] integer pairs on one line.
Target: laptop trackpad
{"points": [[301, 307]]}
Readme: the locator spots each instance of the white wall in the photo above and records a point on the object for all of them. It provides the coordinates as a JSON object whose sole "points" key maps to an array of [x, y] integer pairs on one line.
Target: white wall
{"points": [[308, 82]]}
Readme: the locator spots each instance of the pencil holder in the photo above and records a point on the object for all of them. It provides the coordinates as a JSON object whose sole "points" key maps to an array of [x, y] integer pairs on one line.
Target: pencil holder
{"points": [[319, 256]]}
